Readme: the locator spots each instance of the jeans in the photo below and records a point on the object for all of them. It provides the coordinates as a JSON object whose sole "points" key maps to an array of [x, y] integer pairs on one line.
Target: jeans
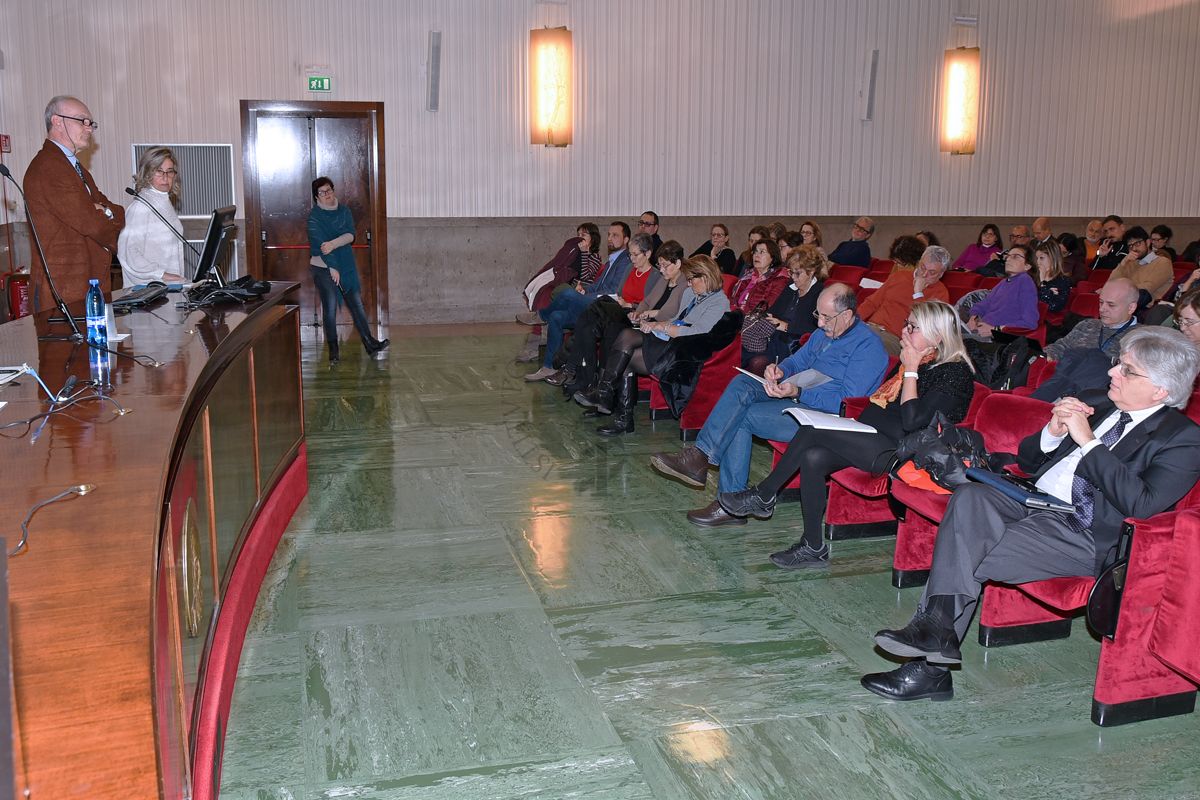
{"points": [[328, 292], [743, 412], [561, 314]]}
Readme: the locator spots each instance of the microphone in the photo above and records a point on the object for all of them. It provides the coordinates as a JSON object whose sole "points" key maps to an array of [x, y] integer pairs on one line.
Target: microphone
{"points": [[170, 227], [58, 300]]}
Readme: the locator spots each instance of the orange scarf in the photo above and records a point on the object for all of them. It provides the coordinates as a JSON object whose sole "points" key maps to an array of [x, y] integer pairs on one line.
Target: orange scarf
{"points": [[889, 390]]}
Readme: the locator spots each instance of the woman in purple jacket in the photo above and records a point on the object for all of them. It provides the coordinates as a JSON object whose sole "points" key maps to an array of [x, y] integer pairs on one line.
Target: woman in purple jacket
{"points": [[1012, 303], [984, 250]]}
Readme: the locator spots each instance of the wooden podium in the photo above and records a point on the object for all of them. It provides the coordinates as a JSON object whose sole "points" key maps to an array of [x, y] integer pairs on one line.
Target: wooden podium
{"points": [[130, 603]]}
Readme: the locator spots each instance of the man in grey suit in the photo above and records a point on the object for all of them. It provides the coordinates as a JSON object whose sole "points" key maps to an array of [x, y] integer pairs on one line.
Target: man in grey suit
{"points": [[1129, 453]]}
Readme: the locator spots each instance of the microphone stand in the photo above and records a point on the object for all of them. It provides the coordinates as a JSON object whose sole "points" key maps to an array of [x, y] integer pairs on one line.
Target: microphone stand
{"points": [[76, 334], [170, 227]]}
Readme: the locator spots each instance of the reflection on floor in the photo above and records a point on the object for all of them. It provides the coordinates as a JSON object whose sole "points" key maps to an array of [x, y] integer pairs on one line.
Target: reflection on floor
{"points": [[481, 598]]}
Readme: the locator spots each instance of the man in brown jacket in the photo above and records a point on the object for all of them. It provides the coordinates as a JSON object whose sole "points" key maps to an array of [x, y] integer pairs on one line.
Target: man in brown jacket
{"points": [[1149, 271], [76, 223]]}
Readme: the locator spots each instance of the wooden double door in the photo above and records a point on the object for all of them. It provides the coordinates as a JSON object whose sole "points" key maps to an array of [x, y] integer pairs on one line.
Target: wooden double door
{"points": [[287, 145]]}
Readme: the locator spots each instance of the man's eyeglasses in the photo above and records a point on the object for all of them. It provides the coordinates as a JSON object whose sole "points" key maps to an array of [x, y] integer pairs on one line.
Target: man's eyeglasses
{"points": [[861, 229], [1125, 370], [646, 223], [828, 318], [84, 121]]}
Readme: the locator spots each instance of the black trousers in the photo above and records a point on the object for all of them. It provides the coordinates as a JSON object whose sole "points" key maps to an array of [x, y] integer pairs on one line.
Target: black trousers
{"points": [[817, 454]]}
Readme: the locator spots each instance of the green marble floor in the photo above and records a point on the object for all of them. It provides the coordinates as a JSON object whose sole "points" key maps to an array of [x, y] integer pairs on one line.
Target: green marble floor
{"points": [[480, 598]]}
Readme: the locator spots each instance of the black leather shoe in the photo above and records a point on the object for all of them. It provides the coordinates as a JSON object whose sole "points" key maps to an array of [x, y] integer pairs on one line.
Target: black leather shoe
{"points": [[916, 680], [925, 636], [591, 412], [562, 376], [746, 503], [713, 516], [585, 399], [801, 556]]}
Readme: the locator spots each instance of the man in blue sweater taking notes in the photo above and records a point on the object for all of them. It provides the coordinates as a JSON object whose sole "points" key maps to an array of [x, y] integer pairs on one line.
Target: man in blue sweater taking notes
{"points": [[843, 350]]}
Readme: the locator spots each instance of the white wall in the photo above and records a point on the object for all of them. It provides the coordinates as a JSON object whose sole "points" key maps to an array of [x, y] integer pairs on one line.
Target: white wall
{"points": [[692, 107]]}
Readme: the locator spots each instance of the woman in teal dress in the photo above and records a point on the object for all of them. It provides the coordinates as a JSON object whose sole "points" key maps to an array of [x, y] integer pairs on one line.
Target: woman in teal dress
{"points": [[330, 234]]}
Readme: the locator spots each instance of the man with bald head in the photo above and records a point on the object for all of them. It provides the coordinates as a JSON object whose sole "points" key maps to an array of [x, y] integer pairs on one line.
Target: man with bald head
{"points": [[77, 224], [1042, 233], [1085, 354]]}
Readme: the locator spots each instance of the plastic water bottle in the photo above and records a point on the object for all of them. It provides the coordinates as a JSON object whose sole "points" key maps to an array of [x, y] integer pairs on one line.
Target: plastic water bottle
{"points": [[97, 319], [100, 365]]}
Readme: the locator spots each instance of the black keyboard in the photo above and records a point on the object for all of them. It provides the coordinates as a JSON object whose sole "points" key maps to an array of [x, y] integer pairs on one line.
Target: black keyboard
{"points": [[140, 297]]}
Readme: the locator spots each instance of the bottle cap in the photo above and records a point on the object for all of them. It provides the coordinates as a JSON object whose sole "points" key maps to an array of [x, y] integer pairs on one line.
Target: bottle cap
{"points": [[93, 281]]}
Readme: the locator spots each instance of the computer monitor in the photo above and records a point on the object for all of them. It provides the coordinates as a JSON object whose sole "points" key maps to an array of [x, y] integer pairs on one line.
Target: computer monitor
{"points": [[220, 230]]}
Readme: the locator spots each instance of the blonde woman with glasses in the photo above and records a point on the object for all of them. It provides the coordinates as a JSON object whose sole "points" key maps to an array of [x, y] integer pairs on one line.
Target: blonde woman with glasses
{"points": [[935, 375], [147, 249]]}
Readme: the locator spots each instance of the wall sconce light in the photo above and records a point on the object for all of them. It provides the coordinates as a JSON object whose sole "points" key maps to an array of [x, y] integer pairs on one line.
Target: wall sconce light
{"points": [[550, 87], [960, 101]]}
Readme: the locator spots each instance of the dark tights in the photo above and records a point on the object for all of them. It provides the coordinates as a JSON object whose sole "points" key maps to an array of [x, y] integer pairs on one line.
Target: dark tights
{"points": [[817, 454], [628, 349]]}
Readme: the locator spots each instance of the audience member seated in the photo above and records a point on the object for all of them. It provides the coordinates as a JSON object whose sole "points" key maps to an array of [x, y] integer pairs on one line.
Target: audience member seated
{"points": [[756, 235], [1160, 242], [1093, 234], [1127, 453], [598, 326], [1074, 261], [996, 268], [648, 224], [1151, 273], [1191, 253], [1085, 354], [986, 246], [1111, 250], [844, 353], [776, 230], [855, 251], [786, 243], [1054, 288], [928, 238], [638, 351], [1187, 315], [565, 307], [761, 284], [1042, 232], [577, 262], [791, 316], [936, 375], [717, 248], [811, 232], [1012, 303], [887, 307], [1165, 309]]}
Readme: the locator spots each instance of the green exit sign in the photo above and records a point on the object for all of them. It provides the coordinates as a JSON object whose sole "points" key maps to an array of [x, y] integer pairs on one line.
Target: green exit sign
{"points": [[320, 83]]}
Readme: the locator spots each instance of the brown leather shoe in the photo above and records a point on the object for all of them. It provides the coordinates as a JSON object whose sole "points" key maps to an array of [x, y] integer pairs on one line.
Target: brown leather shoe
{"points": [[713, 516], [689, 465]]}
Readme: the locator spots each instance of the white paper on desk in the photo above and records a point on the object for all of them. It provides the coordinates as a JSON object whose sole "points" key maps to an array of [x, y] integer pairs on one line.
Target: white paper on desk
{"points": [[869, 283], [827, 422], [111, 324], [804, 379]]}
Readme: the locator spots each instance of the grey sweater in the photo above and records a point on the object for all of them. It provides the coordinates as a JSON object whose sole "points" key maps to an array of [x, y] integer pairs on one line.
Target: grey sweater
{"points": [[705, 314], [1088, 333]]}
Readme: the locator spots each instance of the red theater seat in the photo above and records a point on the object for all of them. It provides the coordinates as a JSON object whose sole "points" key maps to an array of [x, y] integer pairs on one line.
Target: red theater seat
{"points": [[848, 275], [1004, 420], [1084, 304], [715, 375]]}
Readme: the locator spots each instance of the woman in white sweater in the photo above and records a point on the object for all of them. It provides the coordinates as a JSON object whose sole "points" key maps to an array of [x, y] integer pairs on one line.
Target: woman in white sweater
{"points": [[146, 249]]}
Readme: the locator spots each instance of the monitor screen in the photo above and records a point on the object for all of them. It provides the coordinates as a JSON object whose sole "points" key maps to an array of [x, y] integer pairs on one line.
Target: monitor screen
{"points": [[220, 231]]}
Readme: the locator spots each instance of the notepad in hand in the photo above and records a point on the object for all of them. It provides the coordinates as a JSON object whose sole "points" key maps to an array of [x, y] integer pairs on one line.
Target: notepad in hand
{"points": [[1023, 491], [805, 379]]}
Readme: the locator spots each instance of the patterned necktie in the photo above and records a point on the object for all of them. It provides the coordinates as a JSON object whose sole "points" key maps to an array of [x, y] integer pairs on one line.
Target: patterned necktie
{"points": [[1083, 493], [79, 169]]}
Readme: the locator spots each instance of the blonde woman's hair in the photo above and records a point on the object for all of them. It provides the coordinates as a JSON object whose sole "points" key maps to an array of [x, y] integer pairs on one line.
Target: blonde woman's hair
{"points": [[937, 320], [150, 161], [705, 267]]}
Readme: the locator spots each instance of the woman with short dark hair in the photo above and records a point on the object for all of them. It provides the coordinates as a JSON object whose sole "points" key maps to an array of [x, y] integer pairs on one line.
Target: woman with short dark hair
{"points": [[330, 234]]}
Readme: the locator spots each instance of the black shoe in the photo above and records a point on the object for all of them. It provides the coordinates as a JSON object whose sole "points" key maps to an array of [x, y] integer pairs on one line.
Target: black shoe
{"points": [[713, 516], [801, 556], [591, 413], [585, 399], [384, 345], [925, 636], [625, 404], [747, 503], [562, 376], [916, 680]]}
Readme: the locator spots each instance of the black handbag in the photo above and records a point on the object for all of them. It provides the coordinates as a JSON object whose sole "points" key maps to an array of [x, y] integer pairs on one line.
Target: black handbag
{"points": [[1104, 599], [944, 451]]}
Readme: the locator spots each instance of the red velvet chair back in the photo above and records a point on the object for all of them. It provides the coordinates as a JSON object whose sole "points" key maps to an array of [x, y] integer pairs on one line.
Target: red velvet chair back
{"points": [[1084, 304], [1005, 419], [956, 279], [848, 275], [730, 282]]}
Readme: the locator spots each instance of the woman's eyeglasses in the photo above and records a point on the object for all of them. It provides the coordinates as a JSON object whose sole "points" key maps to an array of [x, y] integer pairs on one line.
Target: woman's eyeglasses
{"points": [[910, 327]]}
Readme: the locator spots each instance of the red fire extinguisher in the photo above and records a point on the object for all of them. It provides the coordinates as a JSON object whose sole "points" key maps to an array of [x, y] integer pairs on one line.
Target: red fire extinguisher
{"points": [[20, 304]]}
